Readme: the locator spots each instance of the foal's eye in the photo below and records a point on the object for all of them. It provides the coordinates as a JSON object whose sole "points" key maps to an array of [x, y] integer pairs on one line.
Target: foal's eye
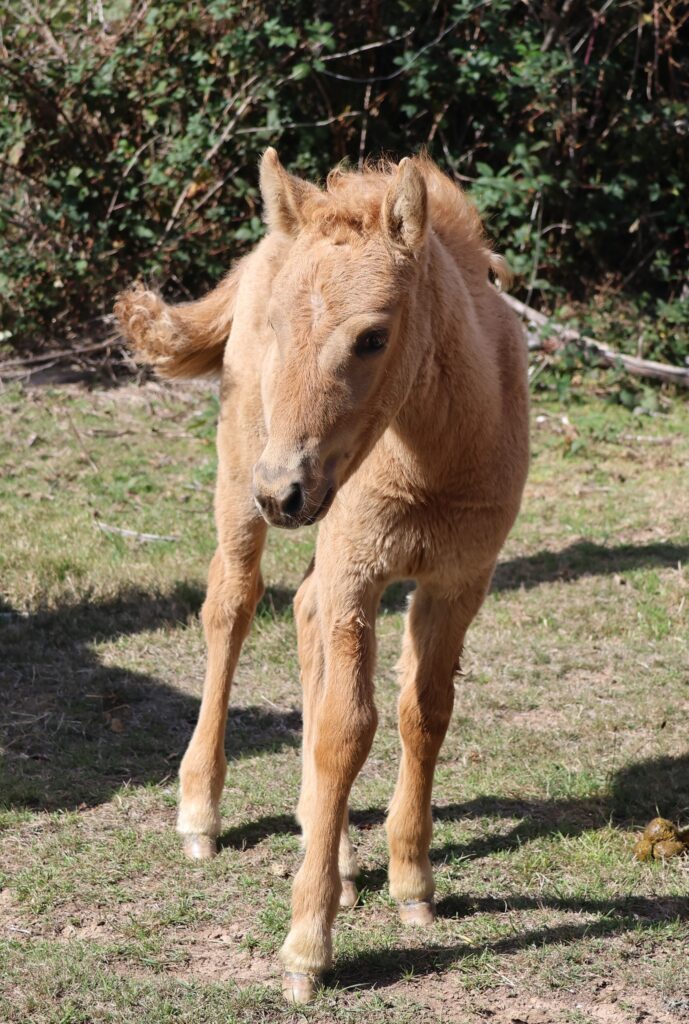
{"points": [[370, 342]]}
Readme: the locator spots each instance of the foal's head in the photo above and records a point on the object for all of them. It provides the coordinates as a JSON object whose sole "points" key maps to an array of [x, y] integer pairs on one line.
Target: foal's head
{"points": [[340, 313]]}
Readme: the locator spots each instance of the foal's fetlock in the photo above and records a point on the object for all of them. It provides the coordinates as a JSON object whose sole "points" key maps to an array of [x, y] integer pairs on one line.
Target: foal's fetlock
{"points": [[306, 955], [412, 886], [199, 846], [198, 822], [198, 817]]}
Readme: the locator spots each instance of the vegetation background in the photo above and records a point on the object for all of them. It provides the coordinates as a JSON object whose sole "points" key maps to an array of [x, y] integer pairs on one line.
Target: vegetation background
{"points": [[130, 132]]}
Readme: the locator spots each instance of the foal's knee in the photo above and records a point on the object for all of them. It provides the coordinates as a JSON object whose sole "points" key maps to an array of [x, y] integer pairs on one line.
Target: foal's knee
{"points": [[232, 608], [343, 739], [424, 722]]}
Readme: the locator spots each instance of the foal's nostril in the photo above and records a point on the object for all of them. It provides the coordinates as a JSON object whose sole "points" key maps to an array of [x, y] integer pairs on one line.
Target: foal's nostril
{"points": [[291, 500]]}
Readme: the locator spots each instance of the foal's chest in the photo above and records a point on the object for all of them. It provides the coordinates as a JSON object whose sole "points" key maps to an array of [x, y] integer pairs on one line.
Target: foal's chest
{"points": [[438, 537]]}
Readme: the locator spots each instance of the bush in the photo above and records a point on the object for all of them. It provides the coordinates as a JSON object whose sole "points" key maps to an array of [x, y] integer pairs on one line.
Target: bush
{"points": [[130, 140]]}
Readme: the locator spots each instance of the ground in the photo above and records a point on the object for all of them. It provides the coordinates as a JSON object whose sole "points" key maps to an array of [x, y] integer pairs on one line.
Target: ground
{"points": [[569, 733]]}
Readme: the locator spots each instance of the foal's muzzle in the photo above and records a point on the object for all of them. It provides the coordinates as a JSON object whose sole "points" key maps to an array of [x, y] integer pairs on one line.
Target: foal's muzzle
{"points": [[292, 499]]}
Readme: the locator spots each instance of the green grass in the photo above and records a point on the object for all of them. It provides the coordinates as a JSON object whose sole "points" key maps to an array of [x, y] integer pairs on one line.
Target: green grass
{"points": [[569, 734]]}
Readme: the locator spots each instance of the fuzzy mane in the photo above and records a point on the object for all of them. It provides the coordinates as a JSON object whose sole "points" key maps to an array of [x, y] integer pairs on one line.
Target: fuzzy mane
{"points": [[350, 208]]}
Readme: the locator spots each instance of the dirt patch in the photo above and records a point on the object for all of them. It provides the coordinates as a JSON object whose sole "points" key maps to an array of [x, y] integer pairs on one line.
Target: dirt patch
{"points": [[215, 954], [605, 1005]]}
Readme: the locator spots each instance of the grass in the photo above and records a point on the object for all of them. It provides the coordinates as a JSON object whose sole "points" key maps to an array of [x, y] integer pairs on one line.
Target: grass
{"points": [[569, 734]]}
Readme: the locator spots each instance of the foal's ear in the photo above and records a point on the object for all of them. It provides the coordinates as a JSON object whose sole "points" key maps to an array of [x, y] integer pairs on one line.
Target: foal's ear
{"points": [[283, 194], [405, 208]]}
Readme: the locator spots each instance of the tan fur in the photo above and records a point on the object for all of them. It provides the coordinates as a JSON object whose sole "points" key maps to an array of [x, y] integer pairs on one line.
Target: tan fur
{"points": [[180, 341], [412, 453]]}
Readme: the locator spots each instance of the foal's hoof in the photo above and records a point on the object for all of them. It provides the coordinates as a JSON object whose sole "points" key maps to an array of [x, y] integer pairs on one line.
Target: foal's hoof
{"points": [[349, 895], [419, 912], [297, 987], [198, 846]]}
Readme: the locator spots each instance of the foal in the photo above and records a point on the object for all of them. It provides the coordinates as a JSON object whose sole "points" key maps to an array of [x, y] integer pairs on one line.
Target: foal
{"points": [[374, 380]]}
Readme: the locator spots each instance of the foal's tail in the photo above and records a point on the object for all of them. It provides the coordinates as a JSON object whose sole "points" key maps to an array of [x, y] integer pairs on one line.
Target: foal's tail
{"points": [[179, 341]]}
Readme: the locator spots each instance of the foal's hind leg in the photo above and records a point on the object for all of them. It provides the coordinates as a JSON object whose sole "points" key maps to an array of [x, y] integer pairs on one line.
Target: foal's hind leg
{"points": [[234, 588], [311, 661], [432, 645]]}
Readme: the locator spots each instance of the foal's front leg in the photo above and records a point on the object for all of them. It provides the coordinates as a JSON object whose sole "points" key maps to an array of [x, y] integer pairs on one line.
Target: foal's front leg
{"points": [[312, 666], [234, 588], [432, 644], [343, 724]]}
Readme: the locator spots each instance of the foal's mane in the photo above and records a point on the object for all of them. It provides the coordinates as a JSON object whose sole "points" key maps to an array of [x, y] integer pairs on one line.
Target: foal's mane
{"points": [[349, 209]]}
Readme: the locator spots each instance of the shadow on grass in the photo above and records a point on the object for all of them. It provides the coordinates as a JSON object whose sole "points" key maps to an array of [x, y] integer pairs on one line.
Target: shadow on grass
{"points": [[616, 916], [582, 558], [73, 730], [636, 793], [245, 837]]}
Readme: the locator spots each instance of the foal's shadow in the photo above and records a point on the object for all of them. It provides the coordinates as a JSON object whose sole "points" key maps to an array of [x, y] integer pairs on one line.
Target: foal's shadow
{"points": [[636, 793], [585, 558], [579, 559], [616, 916], [74, 730], [245, 837]]}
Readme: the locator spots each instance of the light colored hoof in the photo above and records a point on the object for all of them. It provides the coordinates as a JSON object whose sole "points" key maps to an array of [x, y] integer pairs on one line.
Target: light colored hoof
{"points": [[298, 988], [349, 896], [198, 846], [417, 912]]}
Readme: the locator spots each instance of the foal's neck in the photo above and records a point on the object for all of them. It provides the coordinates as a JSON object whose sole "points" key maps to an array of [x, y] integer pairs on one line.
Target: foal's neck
{"points": [[453, 401]]}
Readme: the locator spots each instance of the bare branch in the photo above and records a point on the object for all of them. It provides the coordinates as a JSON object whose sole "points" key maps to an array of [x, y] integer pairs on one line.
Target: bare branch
{"points": [[608, 356], [143, 538]]}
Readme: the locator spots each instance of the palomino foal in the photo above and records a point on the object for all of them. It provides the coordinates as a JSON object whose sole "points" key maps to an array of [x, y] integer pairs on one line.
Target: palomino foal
{"points": [[372, 379]]}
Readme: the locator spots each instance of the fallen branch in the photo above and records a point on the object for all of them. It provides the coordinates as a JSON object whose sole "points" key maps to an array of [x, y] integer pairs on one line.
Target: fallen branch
{"points": [[7, 375], [144, 538], [608, 356], [60, 354], [644, 439]]}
